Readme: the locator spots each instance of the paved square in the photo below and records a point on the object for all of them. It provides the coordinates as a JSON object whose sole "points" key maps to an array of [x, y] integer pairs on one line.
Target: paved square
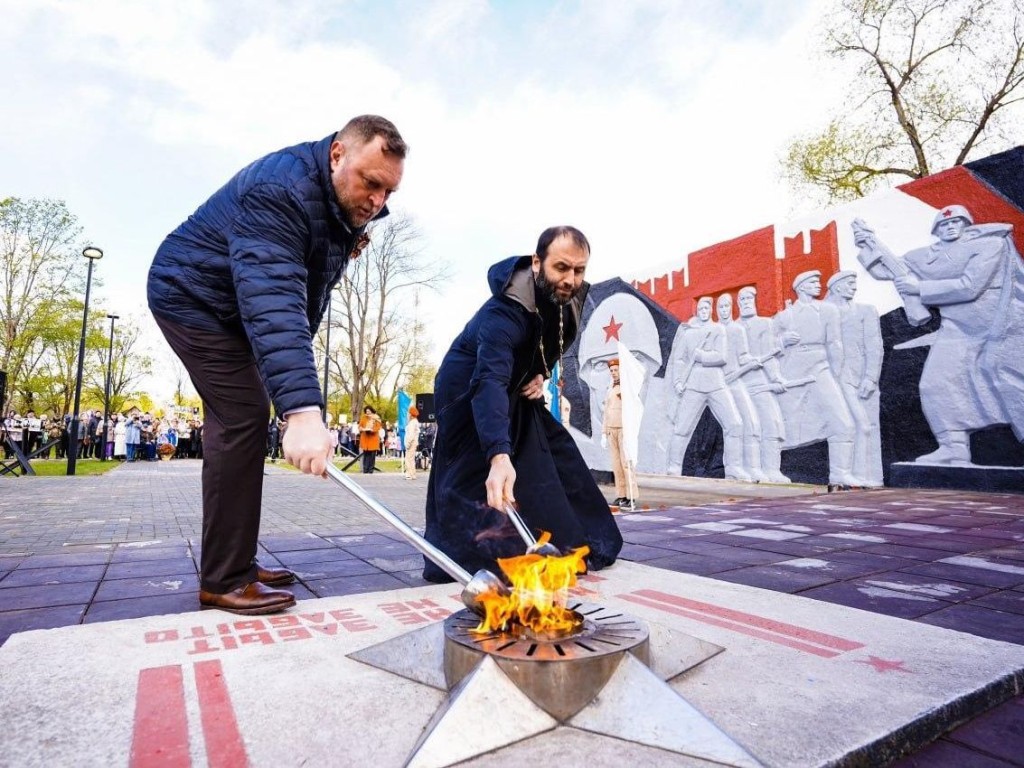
{"points": [[210, 687]]}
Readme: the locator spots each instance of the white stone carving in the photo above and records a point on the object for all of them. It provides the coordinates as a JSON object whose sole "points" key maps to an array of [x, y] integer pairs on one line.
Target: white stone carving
{"points": [[698, 362], [858, 379], [738, 361], [813, 404], [974, 374], [763, 382]]}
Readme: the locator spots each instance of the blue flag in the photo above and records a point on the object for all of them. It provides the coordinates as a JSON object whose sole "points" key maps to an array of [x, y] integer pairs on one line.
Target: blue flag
{"points": [[404, 403], [553, 388]]}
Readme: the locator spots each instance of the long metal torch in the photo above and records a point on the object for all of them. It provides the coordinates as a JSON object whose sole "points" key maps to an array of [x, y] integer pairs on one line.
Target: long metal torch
{"points": [[482, 582]]}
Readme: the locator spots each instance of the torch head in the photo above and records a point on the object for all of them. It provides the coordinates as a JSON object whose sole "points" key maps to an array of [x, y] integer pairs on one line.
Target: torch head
{"points": [[483, 582]]}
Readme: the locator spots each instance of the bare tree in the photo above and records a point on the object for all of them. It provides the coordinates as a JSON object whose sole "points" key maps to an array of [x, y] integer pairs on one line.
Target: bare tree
{"points": [[374, 317], [415, 372], [130, 363], [182, 382], [937, 81]]}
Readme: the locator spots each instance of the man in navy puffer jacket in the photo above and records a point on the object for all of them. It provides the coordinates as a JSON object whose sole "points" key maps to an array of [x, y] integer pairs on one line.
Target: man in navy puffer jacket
{"points": [[239, 290]]}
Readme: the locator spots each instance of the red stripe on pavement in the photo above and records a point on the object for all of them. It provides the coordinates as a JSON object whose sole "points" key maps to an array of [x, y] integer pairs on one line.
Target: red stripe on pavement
{"points": [[160, 732], [224, 746], [802, 633], [741, 628]]}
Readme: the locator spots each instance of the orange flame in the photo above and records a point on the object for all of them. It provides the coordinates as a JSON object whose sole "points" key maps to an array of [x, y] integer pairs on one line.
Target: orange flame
{"points": [[540, 586]]}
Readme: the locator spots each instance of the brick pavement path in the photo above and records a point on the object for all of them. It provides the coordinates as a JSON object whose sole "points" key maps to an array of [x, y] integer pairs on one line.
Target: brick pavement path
{"points": [[123, 545]]}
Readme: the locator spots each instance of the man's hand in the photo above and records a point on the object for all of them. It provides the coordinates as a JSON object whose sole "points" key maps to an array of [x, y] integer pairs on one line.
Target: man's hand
{"points": [[534, 388], [604, 440], [866, 389], [307, 443], [500, 481]]}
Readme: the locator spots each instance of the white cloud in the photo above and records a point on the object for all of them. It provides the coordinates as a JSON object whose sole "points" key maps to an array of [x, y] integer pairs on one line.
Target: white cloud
{"points": [[653, 126]]}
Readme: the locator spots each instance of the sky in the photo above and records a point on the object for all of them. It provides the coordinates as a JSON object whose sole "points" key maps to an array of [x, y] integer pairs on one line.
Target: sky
{"points": [[656, 127]]}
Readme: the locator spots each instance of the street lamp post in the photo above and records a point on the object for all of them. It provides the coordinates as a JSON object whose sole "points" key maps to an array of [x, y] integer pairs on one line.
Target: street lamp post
{"points": [[93, 254], [106, 388]]}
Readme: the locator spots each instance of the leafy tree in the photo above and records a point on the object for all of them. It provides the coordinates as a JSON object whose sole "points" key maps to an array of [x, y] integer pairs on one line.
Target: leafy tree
{"points": [[374, 328], [40, 269], [936, 82], [143, 401], [52, 382]]}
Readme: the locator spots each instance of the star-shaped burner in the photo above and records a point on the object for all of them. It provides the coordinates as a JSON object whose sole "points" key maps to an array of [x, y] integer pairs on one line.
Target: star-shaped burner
{"points": [[608, 678]]}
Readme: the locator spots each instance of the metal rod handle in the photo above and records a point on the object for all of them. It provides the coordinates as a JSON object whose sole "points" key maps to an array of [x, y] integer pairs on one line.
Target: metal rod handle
{"points": [[442, 560], [517, 521]]}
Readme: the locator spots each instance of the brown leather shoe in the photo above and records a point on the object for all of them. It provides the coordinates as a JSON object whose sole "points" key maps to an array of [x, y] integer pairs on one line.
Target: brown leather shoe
{"points": [[274, 577], [251, 600]]}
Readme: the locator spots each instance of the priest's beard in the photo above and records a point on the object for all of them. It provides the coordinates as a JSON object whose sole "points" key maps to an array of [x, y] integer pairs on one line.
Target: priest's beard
{"points": [[549, 290]]}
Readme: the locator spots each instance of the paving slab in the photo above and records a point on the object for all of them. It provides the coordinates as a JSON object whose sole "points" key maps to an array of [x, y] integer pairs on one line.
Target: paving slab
{"points": [[208, 686], [944, 754], [976, 619], [1000, 733], [1003, 601]]}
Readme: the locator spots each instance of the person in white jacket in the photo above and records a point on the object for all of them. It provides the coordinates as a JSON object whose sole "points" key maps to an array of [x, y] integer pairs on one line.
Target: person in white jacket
{"points": [[120, 437], [412, 441]]}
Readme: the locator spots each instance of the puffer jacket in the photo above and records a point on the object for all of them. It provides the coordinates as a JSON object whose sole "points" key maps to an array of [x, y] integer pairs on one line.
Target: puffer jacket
{"points": [[259, 259], [494, 356]]}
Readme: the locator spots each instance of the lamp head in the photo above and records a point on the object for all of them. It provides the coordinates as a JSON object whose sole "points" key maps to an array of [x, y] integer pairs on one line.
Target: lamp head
{"points": [[92, 252]]}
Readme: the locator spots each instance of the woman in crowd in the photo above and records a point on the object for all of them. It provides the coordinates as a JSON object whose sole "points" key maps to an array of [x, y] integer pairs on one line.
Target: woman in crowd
{"points": [[369, 438], [120, 438]]}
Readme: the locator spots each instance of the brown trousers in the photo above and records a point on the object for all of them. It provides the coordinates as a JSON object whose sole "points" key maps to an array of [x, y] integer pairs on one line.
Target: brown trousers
{"points": [[236, 413]]}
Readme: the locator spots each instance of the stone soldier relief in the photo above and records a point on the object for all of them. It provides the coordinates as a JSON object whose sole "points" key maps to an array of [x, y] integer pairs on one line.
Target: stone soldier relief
{"points": [[974, 375], [880, 342]]}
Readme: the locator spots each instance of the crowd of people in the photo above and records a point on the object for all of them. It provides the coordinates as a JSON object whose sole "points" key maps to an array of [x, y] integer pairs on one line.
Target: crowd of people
{"points": [[136, 436], [132, 436], [377, 439]]}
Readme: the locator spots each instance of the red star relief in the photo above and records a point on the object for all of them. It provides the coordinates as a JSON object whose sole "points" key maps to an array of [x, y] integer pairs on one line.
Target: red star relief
{"points": [[884, 665], [947, 213], [611, 331]]}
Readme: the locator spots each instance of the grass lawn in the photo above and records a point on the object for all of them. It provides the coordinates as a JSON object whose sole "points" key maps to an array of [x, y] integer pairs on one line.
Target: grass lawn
{"points": [[59, 467], [384, 465]]}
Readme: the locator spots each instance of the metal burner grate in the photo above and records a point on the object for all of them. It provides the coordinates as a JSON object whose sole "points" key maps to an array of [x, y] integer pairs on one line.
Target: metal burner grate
{"points": [[604, 631], [561, 674]]}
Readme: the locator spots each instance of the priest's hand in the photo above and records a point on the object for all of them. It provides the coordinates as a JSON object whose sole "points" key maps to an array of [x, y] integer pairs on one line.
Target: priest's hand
{"points": [[534, 388], [500, 481]]}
